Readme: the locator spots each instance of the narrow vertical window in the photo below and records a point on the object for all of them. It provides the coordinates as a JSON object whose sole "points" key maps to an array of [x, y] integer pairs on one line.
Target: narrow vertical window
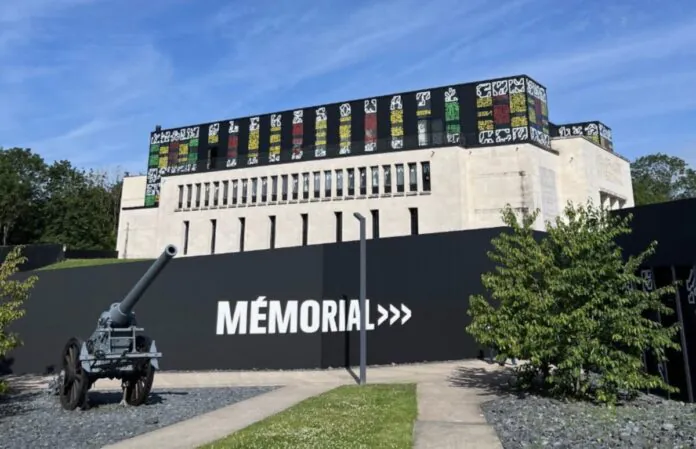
{"points": [[413, 211], [206, 202], [305, 230], [387, 179], [264, 189], [351, 181], [186, 237], [181, 197], [339, 183], [295, 186], [317, 184], [198, 195], [189, 195], [213, 235], [425, 169], [273, 231], [327, 184], [413, 177], [254, 189], [285, 187], [339, 226], [362, 173], [305, 186], [245, 190], [400, 178], [242, 230], [375, 180], [235, 191], [225, 192], [274, 188], [375, 223], [216, 193]]}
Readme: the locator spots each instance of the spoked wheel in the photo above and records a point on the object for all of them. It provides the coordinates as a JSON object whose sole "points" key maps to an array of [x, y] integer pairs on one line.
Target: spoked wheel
{"points": [[73, 391], [138, 386]]}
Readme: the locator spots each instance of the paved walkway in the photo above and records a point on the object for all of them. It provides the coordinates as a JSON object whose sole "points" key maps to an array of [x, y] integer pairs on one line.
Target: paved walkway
{"points": [[449, 398]]}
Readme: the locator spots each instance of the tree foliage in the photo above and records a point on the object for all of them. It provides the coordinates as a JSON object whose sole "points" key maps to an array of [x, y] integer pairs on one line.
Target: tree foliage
{"points": [[658, 178], [56, 203], [564, 302], [13, 294]]}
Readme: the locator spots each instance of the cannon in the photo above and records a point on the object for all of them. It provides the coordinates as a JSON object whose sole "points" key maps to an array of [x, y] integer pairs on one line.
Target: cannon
{"points": [[115, 350]]}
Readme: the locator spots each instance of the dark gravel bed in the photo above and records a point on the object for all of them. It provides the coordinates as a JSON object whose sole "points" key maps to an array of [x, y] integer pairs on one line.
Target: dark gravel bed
{"points": [[537, 422], [36, 420]]}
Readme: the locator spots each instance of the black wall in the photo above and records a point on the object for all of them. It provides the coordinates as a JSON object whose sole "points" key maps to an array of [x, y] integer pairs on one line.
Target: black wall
{"points": [[432, 275], [37, 255]]}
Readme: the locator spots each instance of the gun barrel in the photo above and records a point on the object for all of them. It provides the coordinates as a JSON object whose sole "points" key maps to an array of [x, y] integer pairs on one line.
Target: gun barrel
{"points": [[120, 314]]}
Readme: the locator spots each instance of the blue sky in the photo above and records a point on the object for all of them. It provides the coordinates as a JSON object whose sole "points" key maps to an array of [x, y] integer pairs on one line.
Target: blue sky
{"points": [[87, 80]]}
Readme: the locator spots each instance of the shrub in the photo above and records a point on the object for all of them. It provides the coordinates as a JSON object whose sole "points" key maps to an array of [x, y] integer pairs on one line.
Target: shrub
{"points": [[13, 294], [564, 302]]}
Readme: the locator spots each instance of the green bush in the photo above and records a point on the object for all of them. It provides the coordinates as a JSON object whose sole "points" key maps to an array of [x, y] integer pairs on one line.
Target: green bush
{"points": [[565, 303], [13, 294]]}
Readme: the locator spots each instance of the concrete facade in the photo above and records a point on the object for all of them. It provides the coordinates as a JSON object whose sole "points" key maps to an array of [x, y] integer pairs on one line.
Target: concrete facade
{"points": [[466, 189]]}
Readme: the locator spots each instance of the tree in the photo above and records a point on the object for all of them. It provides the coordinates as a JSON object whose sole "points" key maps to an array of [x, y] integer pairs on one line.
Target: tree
{"points": [[13, 294], [563, 302], [658, 178]]}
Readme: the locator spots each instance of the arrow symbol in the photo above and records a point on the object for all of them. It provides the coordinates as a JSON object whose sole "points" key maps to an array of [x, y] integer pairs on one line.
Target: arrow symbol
{"points": [[395, 314], [407, 314], [383, 314]]}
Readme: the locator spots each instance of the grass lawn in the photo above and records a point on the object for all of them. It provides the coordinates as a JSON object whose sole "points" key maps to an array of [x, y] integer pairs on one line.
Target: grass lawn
{"points": [[349, 417], [74, 263]]}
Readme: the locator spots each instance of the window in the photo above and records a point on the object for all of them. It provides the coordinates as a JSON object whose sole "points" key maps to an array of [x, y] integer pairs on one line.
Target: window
{"points": [[327, 183], [216, 193], [399, 178], [425, 169], [181, 197], [198, 195], [264, 189], [305, 186], [362, 171], [375, 223], [285, 187], [274, 188], [206, 202], [244, 190], [317, 184], [339, 182], [375, 180], [412, 177], [254, 188], [225, 192], [235, 191], [423, 132], [189, 195], [242, 229], [387, 178], [305, 220], [437, 128], [213, 231], [339, 226], [295, 186], [414, 220], [186, 237], [351, 181], [273, 231]]}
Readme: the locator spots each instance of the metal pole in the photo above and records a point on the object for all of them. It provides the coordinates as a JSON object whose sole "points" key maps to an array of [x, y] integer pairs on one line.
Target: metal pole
{"points": [[685, 351], [363, 301]]}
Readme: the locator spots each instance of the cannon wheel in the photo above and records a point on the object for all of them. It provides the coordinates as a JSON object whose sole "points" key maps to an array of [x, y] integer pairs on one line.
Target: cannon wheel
{"points": [[73, 391], [139, 385]]}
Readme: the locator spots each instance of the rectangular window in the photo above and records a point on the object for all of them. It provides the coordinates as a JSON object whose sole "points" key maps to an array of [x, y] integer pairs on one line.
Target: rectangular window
{"points": [[273, 231], [242, 230], [425, 168], [438, 132], [254, 189], [387, 178], [424, 132], [362, 172], [414, 220], [225, 192], [213, 232], [327, 184], [264, 189], [305, 186], [375, 180], [317, 184], [189, 195], [285, 187], [339, 226], [181, 197], [295, 186], [245, 190], [413, 177], [274, 188], [305, 231], [400, 178], [206, 201], [198, 195], [186, 237], [351, 181], [216, 193], [235, 191], [339, 182], [375, 223]]}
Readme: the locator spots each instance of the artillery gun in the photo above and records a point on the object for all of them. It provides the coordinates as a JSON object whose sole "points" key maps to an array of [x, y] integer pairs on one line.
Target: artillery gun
{"points": [[115, 350]]}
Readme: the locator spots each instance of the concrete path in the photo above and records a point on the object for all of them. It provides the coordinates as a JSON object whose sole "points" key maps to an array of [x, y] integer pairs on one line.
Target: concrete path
{"points": [[449, 398]]}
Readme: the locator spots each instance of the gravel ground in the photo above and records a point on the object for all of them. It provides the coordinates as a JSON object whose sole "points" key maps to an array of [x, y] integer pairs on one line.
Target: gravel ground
{"points": [[36, 420], [536, 422]]}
